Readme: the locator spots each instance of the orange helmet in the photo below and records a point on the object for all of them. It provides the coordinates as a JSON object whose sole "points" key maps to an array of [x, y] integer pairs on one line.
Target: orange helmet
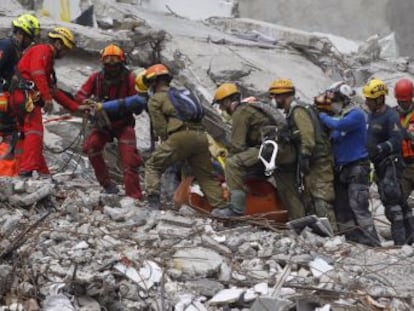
{"points": [[112, 54], [403, 90], [155, 71]]}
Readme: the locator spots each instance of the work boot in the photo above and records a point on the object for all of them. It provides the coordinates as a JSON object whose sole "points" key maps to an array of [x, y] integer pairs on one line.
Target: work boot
{"points": [[154, 201], [398, 232], [236, 207], [111, 188], [409, 229], [325, 209]]}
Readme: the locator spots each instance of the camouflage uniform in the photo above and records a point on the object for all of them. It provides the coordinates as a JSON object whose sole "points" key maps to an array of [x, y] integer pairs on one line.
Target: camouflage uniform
{"points": [[180, 141], [248, 124], [312, 143]]}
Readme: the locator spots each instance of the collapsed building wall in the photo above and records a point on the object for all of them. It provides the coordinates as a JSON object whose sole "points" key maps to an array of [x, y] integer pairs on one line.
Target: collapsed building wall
{"points": [[354, 19]]}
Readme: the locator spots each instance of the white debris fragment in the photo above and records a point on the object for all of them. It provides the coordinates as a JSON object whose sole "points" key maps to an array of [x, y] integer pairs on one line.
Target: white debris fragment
{"points": [[319, 267], [226, 296], [146, 277], [58, 302], [81, 245]]}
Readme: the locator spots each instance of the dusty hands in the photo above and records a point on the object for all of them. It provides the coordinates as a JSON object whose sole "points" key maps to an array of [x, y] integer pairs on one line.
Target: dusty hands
{"points": [[48, 106]]}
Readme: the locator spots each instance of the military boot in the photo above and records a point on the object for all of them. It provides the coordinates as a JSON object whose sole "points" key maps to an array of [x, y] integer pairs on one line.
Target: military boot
{"points": [[409, 229], [111, 188], [398, 232], [154, 202], [236, 207], [325, 209]]}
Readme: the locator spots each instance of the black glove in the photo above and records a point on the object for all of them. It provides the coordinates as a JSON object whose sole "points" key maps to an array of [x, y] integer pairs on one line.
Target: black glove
{"points": [[375, 153], [304, 164], [284, 135]]}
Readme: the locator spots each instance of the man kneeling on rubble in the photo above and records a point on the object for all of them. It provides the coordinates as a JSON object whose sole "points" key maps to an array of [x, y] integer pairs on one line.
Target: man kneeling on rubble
{"points": [[249, 119]]}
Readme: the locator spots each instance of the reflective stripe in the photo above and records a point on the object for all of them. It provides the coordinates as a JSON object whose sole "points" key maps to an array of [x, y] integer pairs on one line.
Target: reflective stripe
{"points": [[127, 141], [34, 132], [38, 72]]}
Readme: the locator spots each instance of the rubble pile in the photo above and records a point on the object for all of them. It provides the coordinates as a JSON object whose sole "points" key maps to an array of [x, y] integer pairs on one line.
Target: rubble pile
{"points": [[66, 246]]}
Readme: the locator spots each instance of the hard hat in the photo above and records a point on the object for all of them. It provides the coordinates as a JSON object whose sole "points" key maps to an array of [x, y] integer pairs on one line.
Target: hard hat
{"points": [[63, 34], [281, 86], [225, 90], [112, 54], [155, 71], [403, 90], [374, 89], [140, 86], [29, 24], [323, 103], [340, 92]]}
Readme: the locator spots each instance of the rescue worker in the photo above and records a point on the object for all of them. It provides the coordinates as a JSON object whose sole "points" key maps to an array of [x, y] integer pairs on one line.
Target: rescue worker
{"points": [[352, 167], [315, 161], [286, 174], [384, 150], [135, 103], [249, 121], [33, 88], [180, 140], [114, 81], [26, 29], [403, 92]]}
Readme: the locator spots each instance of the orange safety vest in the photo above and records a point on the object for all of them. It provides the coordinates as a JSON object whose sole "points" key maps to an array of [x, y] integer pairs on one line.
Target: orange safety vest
{"points": [[8, 167], [407, 122]]}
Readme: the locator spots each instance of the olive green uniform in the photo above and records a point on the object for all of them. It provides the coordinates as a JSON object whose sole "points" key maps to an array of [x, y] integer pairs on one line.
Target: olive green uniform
{"points": [[248, 123], [180, 141], [312, 142]]}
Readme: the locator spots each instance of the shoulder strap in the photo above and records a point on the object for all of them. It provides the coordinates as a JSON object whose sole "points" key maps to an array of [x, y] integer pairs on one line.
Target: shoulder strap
{"points": [[272, 113], [407, 119]]}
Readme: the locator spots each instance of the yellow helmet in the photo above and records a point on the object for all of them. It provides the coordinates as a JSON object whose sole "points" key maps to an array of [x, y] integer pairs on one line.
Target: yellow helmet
{"points": [[282, 86], [140, 86], [374, 89], [225, 90], [63, 34], [29, 24]]}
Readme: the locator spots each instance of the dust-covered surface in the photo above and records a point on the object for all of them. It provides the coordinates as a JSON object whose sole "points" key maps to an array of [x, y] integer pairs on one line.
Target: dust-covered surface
{"points": [[64, 245]]}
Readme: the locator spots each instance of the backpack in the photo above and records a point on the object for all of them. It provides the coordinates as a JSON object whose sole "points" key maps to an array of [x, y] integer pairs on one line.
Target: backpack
{"points": [[187, 105]]}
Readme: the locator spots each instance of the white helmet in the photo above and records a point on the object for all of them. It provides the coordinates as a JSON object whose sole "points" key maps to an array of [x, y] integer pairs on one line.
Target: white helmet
{"points": [[340, 92]]}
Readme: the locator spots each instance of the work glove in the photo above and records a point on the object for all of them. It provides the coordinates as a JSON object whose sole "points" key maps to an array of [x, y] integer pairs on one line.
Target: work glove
{"points": [[84, 108], [96, 106], [48, 106], [304, 163], [376, 153]]}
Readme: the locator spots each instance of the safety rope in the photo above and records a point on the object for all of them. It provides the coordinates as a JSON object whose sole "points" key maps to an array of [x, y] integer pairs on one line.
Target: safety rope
{"points": [[76, 142]]}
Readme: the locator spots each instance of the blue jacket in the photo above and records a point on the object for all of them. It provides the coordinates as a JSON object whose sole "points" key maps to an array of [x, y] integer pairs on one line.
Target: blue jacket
{"points": [[135, 104], [348, 134], [384, 130], [8, 58]]}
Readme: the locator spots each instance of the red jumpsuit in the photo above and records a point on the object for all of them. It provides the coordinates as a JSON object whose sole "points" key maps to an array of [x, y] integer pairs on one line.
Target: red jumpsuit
{"points": [[122, 127], [36, 65]]}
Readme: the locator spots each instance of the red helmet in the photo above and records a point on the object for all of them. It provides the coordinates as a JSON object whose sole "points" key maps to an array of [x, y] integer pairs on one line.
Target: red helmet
{"points": [[403, 90]]}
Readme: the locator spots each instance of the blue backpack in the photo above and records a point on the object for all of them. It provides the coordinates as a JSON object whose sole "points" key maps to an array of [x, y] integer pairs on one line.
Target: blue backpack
{"points": [[186, 104]]}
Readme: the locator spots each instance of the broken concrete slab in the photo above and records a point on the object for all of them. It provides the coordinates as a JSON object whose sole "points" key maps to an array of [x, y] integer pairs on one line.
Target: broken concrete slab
{"points": [[263, 303], [198, 261]]}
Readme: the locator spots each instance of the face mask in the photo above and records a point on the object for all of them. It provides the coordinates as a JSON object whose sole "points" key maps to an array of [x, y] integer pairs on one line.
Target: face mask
{"points": [[337, 108], [273, 103], [150, 92]]}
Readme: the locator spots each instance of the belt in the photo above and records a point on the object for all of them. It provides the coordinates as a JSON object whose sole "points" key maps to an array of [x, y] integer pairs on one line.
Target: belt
{"points": [[355, 162]]}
